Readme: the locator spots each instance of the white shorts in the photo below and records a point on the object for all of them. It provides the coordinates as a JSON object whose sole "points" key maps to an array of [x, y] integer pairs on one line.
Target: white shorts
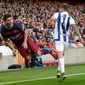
{"points": [[61, 46]]}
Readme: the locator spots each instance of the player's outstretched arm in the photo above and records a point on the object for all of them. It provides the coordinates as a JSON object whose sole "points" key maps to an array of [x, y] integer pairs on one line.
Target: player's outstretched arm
{"points": [[77, 32], [25, 39], [50, 22], [11, 46]]}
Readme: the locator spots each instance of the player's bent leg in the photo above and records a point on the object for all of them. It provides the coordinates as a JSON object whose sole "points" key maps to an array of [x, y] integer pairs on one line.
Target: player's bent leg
{"points": [[54, 54], [34, 48], [39, 53], [28, 57], [49, 51], [25, 53]]}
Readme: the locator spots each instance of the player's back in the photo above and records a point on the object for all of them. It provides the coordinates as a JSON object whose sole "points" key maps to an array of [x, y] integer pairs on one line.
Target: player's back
{"points": [[61, 32]]}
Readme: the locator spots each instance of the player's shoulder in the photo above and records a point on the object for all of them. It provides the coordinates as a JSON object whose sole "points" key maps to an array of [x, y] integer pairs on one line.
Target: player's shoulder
{"points": [[71, 18], [55, 15], [2, 28], [17, 24], [72, 21], [68, 15]]}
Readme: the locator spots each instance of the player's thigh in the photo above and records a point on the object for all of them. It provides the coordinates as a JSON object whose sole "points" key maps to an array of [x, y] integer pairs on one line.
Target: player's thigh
{"points": [[32, 45], [66, 46], [23, 51], [59, 46]]}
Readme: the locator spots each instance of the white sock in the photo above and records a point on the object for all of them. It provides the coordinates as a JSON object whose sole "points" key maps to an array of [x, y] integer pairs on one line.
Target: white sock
{"points": [[61, 65], [58, 66]]}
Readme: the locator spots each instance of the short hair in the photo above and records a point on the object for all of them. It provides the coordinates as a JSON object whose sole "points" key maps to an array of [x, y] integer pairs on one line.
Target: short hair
{"points": [[65, 7], [6, 16], [77, 40]]}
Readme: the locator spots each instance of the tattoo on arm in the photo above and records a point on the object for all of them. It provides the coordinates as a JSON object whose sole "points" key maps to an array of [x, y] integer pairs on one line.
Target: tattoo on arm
{"points": [[76, 30]]}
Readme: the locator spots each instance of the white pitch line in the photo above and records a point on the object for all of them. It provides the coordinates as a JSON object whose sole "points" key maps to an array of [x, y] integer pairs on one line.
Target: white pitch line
{"points": [[3, 83]]}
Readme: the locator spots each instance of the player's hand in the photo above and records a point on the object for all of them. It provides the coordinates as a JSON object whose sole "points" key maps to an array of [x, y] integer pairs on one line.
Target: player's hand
{"points": [[25, 45], [45, 31]]}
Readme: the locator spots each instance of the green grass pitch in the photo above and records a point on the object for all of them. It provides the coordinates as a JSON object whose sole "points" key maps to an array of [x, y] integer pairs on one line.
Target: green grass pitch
{"points": [[43, 76]]}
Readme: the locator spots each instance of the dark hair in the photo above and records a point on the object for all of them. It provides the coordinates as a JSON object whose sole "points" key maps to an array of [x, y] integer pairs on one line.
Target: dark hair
{"points": [[77, 40], [6, 16]]}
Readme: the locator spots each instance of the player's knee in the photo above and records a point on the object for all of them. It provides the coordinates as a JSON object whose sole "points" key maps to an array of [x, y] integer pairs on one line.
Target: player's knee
{"points": [[39, 53], [28, 57], [60, 54]]}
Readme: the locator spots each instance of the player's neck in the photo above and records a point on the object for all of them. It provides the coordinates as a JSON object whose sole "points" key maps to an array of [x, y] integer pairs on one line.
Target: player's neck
{"points": [[62, 11]]}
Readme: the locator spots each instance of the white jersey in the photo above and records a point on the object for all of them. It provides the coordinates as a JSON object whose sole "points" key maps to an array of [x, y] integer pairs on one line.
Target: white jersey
{"points": [[61, 31]]}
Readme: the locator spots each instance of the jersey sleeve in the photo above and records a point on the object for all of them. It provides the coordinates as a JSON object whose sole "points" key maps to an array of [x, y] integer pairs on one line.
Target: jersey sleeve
{"points": [[20, 26], [72, 21], [55, 15], [3, 36], [2, 32]]}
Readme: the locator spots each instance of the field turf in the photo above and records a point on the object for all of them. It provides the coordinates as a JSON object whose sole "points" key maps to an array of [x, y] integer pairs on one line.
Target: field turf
{"points": [[43, 76]]}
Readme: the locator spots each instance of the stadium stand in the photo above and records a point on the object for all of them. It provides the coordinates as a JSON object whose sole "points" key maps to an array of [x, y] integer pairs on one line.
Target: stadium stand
{"points": [[35, 20]]}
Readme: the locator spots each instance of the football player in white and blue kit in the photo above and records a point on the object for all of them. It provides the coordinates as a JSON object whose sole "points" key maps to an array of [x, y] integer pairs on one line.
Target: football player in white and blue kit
{"points": [[61, 36]]}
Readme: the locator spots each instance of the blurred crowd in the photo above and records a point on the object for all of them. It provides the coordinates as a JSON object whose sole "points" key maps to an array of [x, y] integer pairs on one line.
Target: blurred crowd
{"points": [[34, 16]]}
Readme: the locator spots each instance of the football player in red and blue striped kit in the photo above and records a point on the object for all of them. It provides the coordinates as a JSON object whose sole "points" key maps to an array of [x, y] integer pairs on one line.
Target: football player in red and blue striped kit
{"points": [[15, 32]]}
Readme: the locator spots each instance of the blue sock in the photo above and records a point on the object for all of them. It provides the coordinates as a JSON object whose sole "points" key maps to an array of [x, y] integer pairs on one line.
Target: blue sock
{"points": [[46, 51]]}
